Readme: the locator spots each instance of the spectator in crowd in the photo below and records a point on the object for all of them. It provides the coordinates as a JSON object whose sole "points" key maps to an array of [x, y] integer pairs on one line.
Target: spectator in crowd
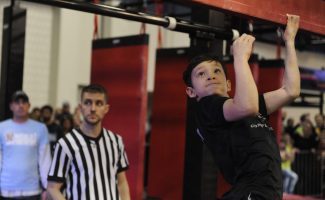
{"points": [[35, 114], [66, 124], [308, 140], [319, 123], [298, 128], [77, 117], [65, 112], [57, 113], [55, 131], [290, 126], [321, 145], [287, 153], [24, 152]]}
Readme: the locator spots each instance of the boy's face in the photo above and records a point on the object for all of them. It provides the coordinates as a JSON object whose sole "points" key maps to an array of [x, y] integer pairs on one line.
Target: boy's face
{"points": [[208, 78]]}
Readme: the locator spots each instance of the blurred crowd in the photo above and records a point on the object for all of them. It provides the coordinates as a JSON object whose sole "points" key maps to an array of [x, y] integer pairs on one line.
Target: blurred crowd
{"points": [[306, 136], [58, 121]]}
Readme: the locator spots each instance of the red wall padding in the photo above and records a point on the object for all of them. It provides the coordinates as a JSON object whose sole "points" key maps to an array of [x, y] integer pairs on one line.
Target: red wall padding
{"points": [[270, 78], [253, 63], [167, 146], [120, 64]]}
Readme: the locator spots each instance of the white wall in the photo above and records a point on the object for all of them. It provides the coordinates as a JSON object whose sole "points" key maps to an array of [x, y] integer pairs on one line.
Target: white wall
{"points": [[73, 55], [37, 52]]}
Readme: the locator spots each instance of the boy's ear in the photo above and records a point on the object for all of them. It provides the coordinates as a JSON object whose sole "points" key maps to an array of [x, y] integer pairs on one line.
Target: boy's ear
{"points": [[190, 92], [228, 85]]}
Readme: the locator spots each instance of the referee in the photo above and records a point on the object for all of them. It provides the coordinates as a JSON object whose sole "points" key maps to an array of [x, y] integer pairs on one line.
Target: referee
{"points": [[90, 161]]}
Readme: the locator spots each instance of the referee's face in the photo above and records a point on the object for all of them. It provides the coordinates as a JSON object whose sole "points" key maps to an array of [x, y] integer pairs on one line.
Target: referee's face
{"points": [[93, 107]]}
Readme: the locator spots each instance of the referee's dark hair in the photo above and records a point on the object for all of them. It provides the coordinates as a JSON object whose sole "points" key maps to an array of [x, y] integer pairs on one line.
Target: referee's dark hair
{"points": [[196, 61], [95, 88]]}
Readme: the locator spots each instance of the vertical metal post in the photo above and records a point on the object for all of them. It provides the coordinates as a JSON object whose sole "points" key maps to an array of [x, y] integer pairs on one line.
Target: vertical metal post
{"points": [[6, 49], [13, 41]]}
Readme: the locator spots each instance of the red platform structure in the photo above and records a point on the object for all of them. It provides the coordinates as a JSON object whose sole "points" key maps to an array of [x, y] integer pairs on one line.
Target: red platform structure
{"points": [[167, 146], [120, 65]]}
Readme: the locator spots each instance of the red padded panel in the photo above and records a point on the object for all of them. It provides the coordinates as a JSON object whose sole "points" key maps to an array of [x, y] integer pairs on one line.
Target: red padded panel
{"points": [[231, 75], [270, 78], [120, 64], [167, 146], [312, 13]]}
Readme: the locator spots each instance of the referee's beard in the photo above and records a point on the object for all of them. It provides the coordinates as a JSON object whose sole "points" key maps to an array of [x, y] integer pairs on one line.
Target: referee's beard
{"points": [[92, 123]]}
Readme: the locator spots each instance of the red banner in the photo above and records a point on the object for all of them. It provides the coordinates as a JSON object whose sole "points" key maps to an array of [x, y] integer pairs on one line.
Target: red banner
{"points": [[311, 12]]}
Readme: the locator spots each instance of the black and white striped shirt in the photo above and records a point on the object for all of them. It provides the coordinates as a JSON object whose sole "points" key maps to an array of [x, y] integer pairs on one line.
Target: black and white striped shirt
{"points": [[89, 166]]}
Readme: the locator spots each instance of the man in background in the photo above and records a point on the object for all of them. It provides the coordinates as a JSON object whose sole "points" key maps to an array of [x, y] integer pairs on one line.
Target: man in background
{"points": [[90, 160], [55, 130], [24, 153]]}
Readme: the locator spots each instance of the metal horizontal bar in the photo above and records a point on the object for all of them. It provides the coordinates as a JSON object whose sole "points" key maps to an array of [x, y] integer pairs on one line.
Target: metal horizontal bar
{"points": [[302, 94], [105, 10], [304, 104]]}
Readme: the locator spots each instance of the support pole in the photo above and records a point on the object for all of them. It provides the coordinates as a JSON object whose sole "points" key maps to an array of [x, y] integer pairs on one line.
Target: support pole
{"points": [[12, 63]]}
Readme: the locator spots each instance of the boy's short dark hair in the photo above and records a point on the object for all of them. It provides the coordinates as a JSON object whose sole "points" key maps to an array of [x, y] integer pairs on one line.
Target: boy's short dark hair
{"points": [[196, 61], [95, 88]]}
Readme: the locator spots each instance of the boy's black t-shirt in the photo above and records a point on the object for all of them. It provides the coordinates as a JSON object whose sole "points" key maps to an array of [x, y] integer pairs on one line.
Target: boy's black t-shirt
{"points": [[246, 151]]}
